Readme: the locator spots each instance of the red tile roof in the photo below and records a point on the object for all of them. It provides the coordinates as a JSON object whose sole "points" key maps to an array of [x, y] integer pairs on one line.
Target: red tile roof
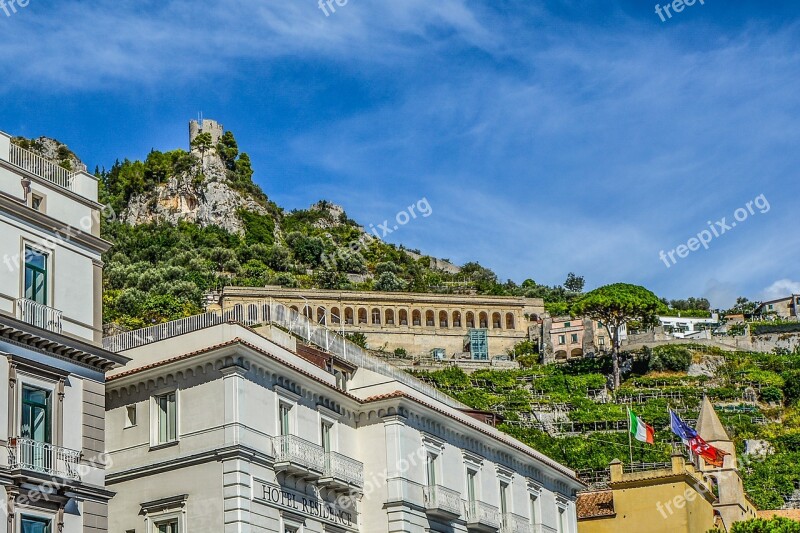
{"points": [[597, 504]]}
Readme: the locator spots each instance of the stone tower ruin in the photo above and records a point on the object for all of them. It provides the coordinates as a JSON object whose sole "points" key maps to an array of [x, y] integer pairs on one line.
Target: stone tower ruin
{"points": [[206, 126]]}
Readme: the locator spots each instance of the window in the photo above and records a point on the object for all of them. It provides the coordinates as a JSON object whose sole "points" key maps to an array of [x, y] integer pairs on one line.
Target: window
{"points": [[430, 469], [169, 526], [36, 275], [602, 341], [283, 419], [325, 430], [35, 525], [562, 339], [471, 484], [167, 410], [37, 202], [130, 416], [36, 415], [534, 509], [503, 498], [561, 520], [574, 338], [567, 324]]}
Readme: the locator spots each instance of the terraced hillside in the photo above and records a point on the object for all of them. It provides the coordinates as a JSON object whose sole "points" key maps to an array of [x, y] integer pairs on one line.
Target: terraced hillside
{"points": [[568, 413]]}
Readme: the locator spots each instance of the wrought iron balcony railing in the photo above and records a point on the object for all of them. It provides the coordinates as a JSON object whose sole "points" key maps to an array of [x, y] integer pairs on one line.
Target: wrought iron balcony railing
{"points": [[441, 500], [44, 458], [297, 453], [344, 469], [483, 516], [39, 315]]}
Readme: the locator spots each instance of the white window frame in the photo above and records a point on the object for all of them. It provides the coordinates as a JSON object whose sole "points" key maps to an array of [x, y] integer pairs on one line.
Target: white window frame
{"points": [[155, 519], [154, 418], [535, 502], [134, 408], [21, 511], [37, 382]]}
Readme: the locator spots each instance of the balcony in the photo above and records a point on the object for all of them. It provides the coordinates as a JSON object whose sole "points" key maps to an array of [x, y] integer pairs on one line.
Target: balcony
{"points": [[43, 458], [342, 472], [513, 523], [298, 457], [41, 167], [39, 315], [441, 502], [541, 528], [483, 517]]}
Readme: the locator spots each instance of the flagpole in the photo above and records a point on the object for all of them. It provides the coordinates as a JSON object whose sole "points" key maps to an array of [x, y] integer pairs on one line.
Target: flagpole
{"points": [[630, 440]]}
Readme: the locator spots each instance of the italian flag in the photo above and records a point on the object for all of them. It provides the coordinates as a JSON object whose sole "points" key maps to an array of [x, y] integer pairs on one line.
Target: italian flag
{"points": [[639, 429]]}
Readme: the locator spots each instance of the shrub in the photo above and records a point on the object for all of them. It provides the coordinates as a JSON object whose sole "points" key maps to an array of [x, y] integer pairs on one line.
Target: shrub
{"points": [[675, 358], [771, 394]]}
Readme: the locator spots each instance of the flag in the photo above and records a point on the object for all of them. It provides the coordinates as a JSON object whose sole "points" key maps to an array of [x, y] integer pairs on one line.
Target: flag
{"points": [[681, 428], [712, 455], [639, 429]]}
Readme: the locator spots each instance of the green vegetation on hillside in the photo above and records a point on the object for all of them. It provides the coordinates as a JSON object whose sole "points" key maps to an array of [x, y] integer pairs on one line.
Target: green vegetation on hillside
{"points": [[657, 381]]}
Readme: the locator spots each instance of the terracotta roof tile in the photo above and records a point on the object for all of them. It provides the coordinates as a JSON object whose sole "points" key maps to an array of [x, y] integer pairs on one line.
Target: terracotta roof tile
{"points": [[595, 504]]}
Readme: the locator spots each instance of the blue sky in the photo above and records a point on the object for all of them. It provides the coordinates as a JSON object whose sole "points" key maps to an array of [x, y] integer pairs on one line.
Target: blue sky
{"points": [[547, 136]]}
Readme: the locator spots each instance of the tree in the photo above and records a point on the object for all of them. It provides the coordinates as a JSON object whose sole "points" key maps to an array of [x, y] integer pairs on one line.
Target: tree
{"points": [[613, 306], [202, 143], [359, 339], [388, 282], [574, 283], [760, 525]]}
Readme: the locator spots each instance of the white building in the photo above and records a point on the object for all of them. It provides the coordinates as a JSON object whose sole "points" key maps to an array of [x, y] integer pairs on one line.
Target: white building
{"points": [[219, 427], [688, 327], [51, 365]]}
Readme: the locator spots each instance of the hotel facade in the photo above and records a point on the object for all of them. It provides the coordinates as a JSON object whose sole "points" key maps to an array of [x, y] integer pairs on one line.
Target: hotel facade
{"points": [[268, 422], [52, 368]]}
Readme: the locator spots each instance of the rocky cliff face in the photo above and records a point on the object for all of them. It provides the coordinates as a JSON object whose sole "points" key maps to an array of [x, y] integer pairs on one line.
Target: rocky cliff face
{"points": [[53, 150], [205, 199]]}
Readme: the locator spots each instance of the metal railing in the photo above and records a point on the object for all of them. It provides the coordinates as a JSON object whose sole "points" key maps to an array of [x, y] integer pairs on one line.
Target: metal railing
{"points": [[27, 454], [39, 315], [513, 523], [297, 451], [270, 312], [39, 166], [343, 468], [483, 514], [438, 498]]}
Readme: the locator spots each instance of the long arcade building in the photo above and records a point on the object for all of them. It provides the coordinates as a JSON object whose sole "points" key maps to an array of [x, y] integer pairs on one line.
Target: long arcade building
{"points": [[220, 427], [52, 367]]}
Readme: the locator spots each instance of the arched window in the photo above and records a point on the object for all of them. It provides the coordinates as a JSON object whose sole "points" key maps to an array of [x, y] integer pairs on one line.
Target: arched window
{"points": [[496, 321], [510, 321], [561, 355], [456, 319], [362, 316], [484, 320], [252, 313], [429, 319], [576, 352], [265, 314], [376, 317], [443, 319], [307, 312], [295, 309], [389, 317], [336, 317], [348, 316], [470, 319], [321, 316], [403, 316], [416, 317]]}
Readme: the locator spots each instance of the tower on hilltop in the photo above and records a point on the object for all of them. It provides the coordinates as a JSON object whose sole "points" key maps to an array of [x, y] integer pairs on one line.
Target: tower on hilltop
{"points": [[205, 126]]}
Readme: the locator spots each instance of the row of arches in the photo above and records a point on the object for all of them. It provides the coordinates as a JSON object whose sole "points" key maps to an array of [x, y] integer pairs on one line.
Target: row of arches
{"points": [[563, 355], [408, 318]]}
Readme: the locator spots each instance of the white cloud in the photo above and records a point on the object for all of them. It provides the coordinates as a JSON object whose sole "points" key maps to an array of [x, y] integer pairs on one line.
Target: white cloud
{"points": [[780, 289]]}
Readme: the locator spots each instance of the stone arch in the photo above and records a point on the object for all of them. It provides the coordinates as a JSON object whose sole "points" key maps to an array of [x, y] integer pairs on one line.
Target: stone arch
{"points": [[252, 313], [295, 309], [322, 315], [443, 322], [429, 319], [576, 352], [470, 319], [416, 317], [561, 355], [265, 314], [307, 312], [376, 316], [349, 316], [496, 321], [362, 315], [510, 321], [388, 317], [483, 320], [456, 319], [403, 317], [336, 316]]}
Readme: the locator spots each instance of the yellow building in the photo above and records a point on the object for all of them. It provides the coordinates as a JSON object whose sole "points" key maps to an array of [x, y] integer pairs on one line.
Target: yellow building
{"points": [[686, 498], [671, 500]]}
